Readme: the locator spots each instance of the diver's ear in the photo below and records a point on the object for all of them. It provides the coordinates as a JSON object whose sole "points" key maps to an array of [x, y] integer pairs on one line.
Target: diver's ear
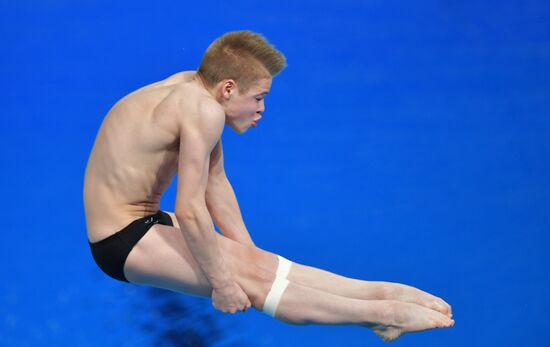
{"points": [[229, 87]]}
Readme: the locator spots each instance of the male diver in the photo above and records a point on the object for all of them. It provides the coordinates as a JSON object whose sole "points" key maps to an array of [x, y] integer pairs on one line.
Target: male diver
{"points": [[174, 127]]}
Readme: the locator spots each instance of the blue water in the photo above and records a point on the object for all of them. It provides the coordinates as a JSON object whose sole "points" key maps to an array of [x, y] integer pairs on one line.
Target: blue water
{"points": [[405, 142]]}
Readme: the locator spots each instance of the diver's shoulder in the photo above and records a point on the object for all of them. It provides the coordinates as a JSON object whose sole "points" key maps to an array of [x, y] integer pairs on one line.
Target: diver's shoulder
{"points": [[189, 95], [198, 106]]}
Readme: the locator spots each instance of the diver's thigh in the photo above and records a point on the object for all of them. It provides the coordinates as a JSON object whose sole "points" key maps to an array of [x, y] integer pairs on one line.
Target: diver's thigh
{"points": [[234, 249], [162, 259]]}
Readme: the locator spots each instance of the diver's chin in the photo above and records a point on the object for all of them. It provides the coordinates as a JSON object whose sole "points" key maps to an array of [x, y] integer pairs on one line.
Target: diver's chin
{"points": [[238, 130]]}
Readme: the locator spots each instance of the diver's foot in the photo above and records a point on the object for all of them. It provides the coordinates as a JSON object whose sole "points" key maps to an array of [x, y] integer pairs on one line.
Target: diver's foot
{"points": [[405, 293], [401, 318]]}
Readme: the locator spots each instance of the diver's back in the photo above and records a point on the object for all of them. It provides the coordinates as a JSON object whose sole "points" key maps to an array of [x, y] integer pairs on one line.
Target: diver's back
{"points": [[134, 158]]}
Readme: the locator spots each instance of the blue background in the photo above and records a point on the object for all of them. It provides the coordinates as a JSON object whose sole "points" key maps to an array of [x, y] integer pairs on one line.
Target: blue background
{"points": [[406, 142]]}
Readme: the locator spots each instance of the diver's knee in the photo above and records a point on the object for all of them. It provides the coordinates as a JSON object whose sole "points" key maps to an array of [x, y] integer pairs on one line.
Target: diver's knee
{"points": [[271, 286], [256, 284]]}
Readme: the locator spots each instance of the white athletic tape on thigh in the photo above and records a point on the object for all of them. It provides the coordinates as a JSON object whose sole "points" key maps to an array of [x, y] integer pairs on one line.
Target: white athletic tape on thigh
{"points": [[274, 295], [284, 267]]}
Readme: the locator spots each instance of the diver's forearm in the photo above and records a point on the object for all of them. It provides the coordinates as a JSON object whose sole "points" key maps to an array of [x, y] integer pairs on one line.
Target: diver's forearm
{"points": [[224, 209], [199, 233]]}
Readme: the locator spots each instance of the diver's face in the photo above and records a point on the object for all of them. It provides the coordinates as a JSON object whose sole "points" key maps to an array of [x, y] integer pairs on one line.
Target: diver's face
{"points": [[245, 110]]}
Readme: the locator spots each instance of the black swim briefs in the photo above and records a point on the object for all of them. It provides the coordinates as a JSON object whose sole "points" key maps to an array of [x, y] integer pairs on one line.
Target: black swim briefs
{"points": [[110, 253]]}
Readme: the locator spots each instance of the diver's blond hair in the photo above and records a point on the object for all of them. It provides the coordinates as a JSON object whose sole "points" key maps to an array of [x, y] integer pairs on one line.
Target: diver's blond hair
{"points": [[243, 56]]}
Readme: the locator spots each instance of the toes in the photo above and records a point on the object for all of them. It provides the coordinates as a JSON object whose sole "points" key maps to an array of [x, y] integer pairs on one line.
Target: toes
{"points": [[439, 307], [443, 321], [449, 323], [443, 324], [444, 307]]}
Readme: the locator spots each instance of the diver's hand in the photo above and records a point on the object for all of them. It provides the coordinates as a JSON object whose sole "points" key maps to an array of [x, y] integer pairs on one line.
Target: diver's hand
{"points": [[230, 298]]}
